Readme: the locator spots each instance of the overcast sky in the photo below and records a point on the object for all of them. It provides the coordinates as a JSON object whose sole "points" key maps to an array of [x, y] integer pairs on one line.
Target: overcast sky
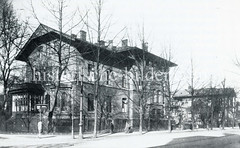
{"points": [[208, 31]]}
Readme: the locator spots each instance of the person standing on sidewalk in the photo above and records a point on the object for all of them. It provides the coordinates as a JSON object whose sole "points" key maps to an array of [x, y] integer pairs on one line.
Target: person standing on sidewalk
{"points": [[111, 127]]}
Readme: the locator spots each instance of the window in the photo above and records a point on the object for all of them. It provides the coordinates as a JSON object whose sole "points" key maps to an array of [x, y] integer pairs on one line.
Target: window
{"points": [[155, 96], [25, 102], [90, 73], [158, 96], [158, 111], [124, 104], [108, 77], [90, 69], [108, 104], [124, 81], [40, 52], [63, 101], [153, 112], [47, 100], [90, 102]]}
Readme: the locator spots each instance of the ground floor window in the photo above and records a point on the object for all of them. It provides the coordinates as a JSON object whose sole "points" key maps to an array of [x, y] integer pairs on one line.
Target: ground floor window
{"points": [[90, 102], [124, 104], [108, 104], [25, 102]]}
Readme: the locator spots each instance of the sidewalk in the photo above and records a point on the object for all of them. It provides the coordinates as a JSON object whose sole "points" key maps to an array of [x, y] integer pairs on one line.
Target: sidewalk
{"points": [[148, 139], [31, 140]]}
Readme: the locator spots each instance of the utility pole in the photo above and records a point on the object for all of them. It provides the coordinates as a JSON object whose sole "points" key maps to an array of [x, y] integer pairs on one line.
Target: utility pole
{"points": [[81, 109], [224, 103], [72, 104], [192, 94]]}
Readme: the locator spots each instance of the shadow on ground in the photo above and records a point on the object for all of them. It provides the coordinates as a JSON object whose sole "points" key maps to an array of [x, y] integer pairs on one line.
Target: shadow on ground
{"points": [[3, 138], [116, 135], [226, 141]]}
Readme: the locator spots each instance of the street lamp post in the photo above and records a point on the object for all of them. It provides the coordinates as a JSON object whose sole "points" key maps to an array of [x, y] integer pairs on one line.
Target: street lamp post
{"points": [[41, 108], [72, 104]]}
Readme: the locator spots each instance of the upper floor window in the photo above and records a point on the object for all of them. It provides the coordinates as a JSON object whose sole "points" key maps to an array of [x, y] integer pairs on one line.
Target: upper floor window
{"points": [[90, 69], [90, 72], [108, 77], [40, 52], [124, 82], [154, 96], [158, 96]]}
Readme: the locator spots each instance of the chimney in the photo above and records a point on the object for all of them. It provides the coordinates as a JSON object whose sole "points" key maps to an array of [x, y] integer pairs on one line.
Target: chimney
{"points": [[73, 36], [102, 43], [125, 43], [145, 46], [110, 44], [114, 48], [83, 35]]}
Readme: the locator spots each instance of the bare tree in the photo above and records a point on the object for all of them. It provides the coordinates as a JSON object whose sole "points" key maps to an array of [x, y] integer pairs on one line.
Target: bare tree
{"points": [[224, 103], [61, 51], [13, 33], [171, 88], [193, 85], [98, 25]]}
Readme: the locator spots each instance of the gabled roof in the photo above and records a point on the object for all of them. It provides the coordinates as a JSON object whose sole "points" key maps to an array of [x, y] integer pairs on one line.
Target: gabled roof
{"points": [[121, 59]]}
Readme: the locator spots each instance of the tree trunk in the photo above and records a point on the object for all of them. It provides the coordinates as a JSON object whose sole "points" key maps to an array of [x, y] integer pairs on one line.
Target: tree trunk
{"points": [[169, 116], [141, 120], [149, 120], [169, 124], [192, 112], [5, 100], [212, 114], [95, 110], [50, 114], [100, 122], [233, 112], [223, 114]]}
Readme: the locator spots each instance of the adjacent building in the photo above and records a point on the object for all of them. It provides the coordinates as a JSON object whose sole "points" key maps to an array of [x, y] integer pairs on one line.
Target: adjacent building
{"points": [[208, 105]]}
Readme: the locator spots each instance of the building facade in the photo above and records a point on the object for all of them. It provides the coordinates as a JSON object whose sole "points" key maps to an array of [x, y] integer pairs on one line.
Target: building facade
{"points": [[211, 106], [126, 76]]}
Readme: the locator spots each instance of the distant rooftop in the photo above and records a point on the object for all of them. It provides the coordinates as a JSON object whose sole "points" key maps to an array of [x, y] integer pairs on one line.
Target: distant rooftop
{"points": [[206, 92]]}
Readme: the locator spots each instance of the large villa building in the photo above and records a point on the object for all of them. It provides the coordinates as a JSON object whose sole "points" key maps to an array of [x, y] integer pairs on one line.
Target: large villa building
{"points": [[123, 72]]}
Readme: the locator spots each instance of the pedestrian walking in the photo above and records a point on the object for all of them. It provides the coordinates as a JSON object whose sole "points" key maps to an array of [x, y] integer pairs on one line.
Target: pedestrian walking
{"points": [[111, 128]]}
